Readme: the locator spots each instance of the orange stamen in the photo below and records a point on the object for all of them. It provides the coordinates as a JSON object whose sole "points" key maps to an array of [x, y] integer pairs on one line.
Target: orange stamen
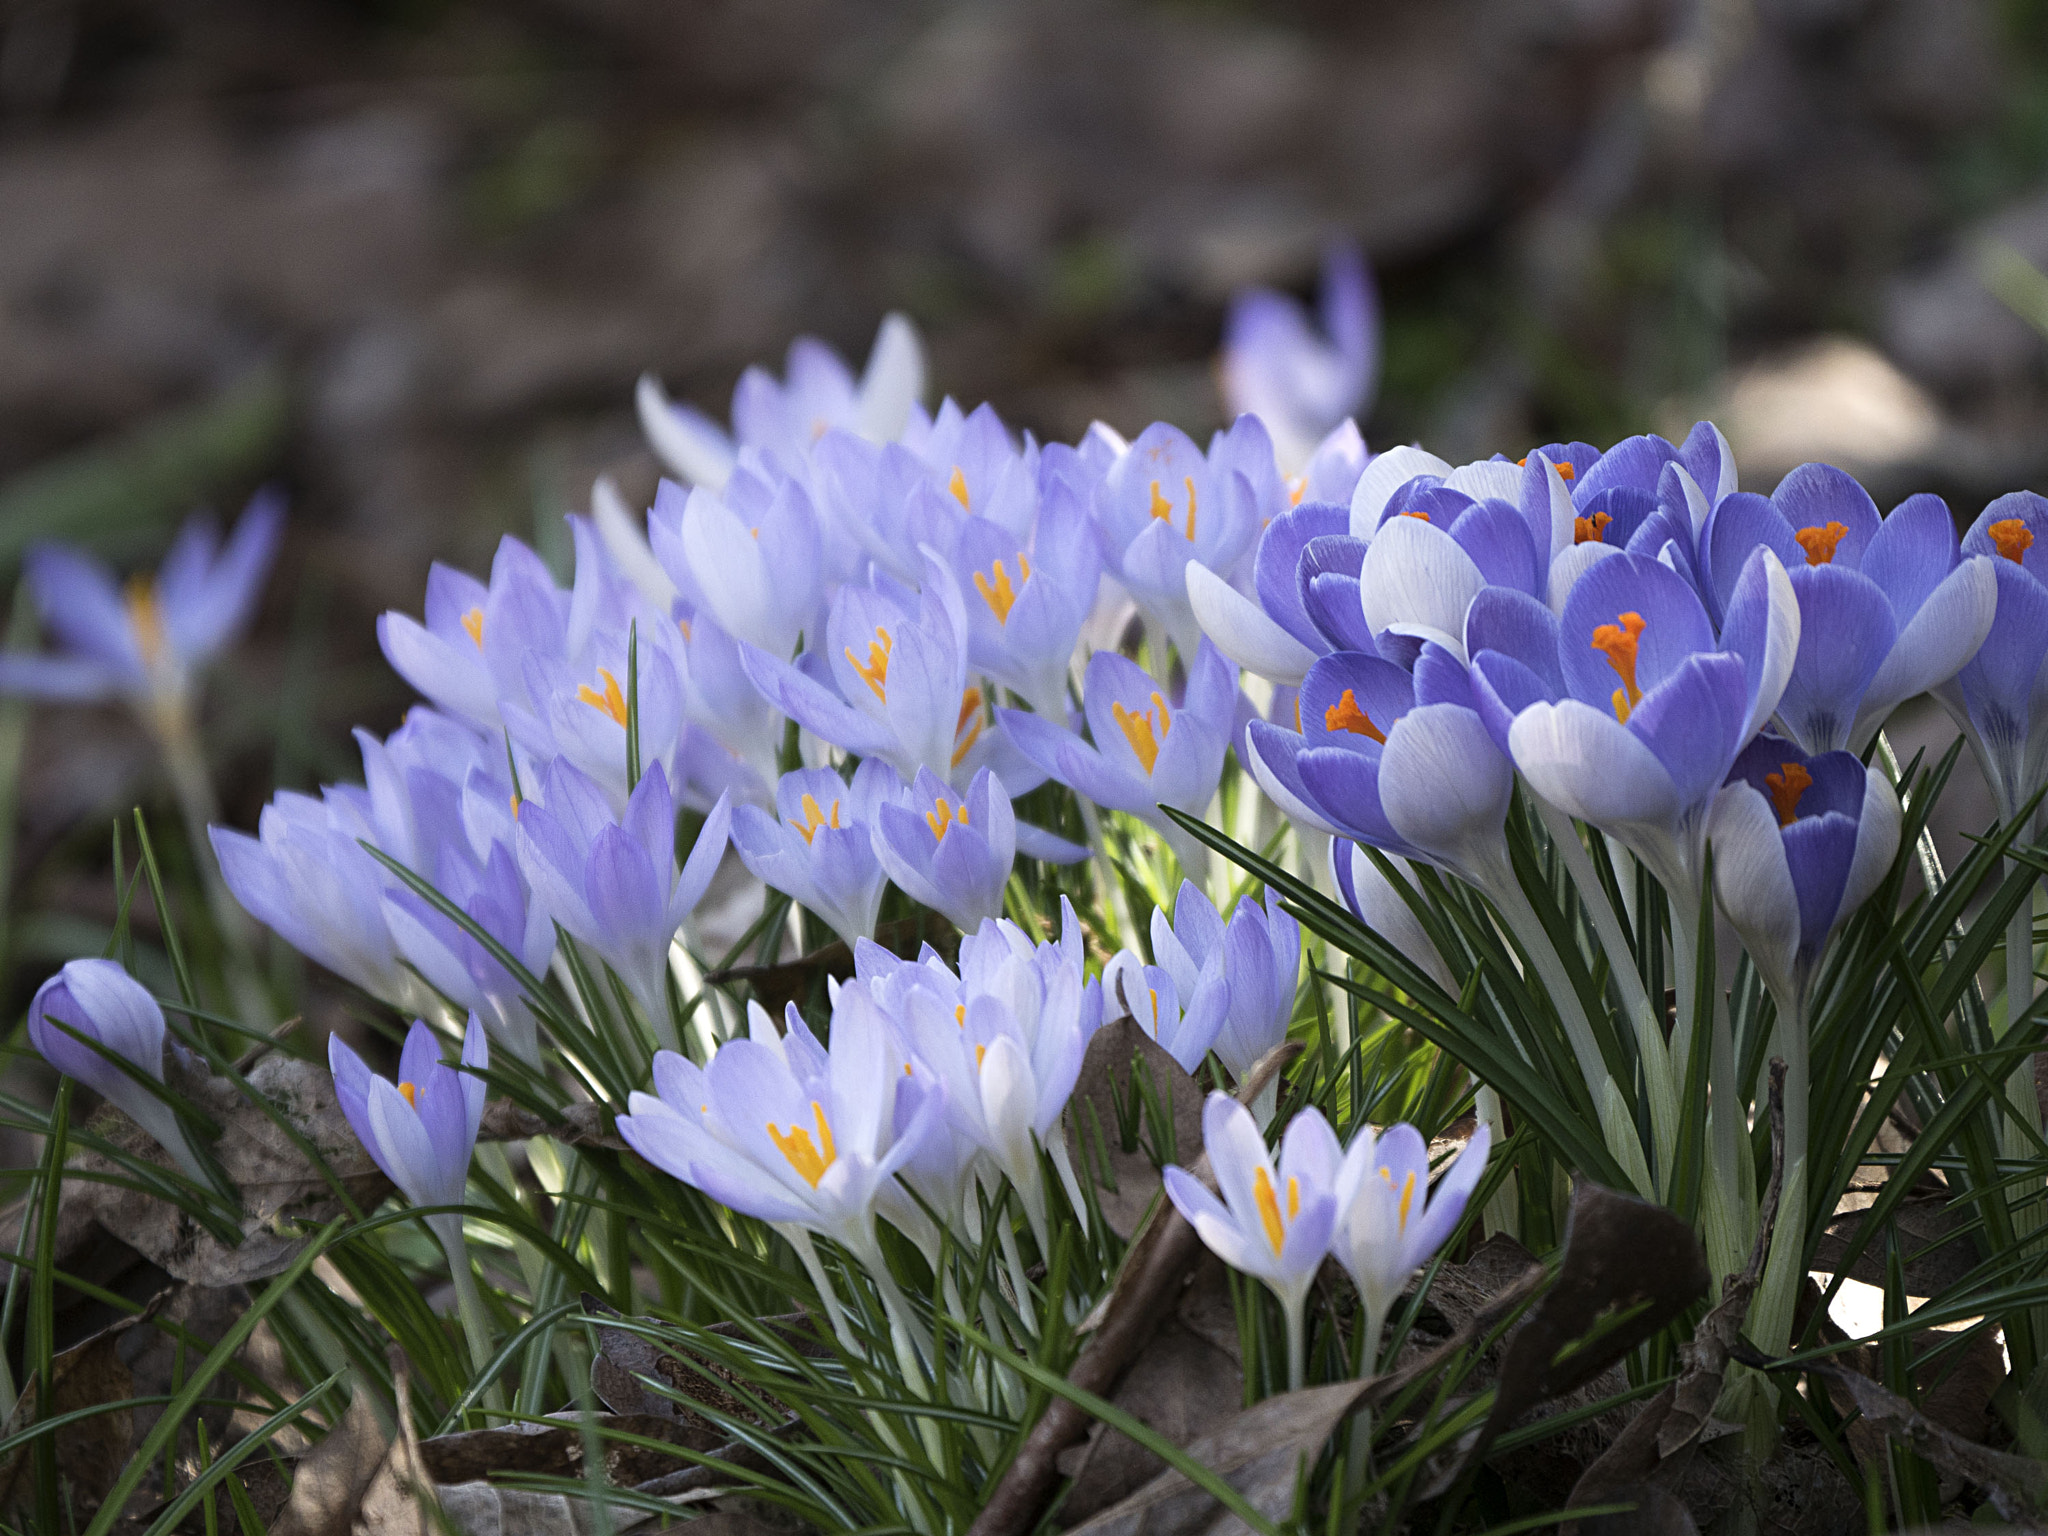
{"points": [[1137, 729], [814, 818], [1163, 509], [1345, 715], [999, 594], [970, 714], [1269, 1209], [1786, 786], [941, 816], [1618, 643], [876, 672], [1819, 543], [2012, 537], [147, 618], [958, 486], [610, 702], [805, 1157], [411, 1092], [473, 621]]}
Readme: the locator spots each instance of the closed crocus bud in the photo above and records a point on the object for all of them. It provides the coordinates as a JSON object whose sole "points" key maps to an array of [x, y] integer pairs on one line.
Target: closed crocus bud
{"points": [[107, 1006], [1799, 843]]}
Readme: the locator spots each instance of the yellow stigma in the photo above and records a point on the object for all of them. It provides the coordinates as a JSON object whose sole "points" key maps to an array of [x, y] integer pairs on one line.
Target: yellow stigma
{"points": [[960, 1014], [942, 815], [473, 621], [998, 593], [1589, 530], [876, 672], [807, 1159], [1819, 543], [610, 702], [1162, 508], [814, 818], [2012, 538], [1269, 1208], [1786, 786], [147, 619], [1137, 729], [969, 724], [1345, 715], [412, 1094], [980, 1055], [1617, 642], [958, 486]]}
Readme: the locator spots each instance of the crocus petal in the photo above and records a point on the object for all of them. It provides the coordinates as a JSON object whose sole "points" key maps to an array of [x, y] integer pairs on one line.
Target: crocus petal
{"points": [[1244, 633]]}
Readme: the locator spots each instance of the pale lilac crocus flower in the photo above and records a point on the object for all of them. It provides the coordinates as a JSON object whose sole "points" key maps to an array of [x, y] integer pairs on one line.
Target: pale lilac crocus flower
{"points": [[1391, 1221], [1274, 1222], [821, 851], [1149, 994], [105, 1004], [612, 882], [1261, 950]]}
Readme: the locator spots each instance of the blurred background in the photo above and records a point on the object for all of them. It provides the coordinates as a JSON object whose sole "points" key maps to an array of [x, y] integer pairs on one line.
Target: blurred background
{"points": [[406, 258]]}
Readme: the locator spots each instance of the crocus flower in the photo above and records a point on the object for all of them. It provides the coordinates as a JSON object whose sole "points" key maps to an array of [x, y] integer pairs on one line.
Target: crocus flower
{"points": [[422, 1130], [1305, 582], [1261, 950], [950, 852], [1370, 763], [821, 852], [1645, 759], [1998, 698], [819, 392], [456, 964], [106, 1005], [444, 654], [751, 556], [892, 679], [1030, 599], [1300, 383], [612, 882], [1274, 1223], [1147, 752], [1800, 842], [803, 1149], [1149, 994], [1161, 505], [1391, 1222], [146, 642], [1889, 608]]}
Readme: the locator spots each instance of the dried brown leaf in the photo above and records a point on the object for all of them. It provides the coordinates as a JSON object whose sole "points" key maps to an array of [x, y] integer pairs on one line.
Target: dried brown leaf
{"points": [[330, 1480], [580, 1125], [92, 1452], [1126, 1179]]}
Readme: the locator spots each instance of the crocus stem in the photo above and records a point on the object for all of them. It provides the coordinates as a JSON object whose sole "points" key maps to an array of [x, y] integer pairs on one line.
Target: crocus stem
{"points": [[1770, 1324], [1007, 1235], [1628, 981], [2019, 996], [1295, 1309], [469, 1302], [1723, 1203], [807, 1255], [1528, 930]]}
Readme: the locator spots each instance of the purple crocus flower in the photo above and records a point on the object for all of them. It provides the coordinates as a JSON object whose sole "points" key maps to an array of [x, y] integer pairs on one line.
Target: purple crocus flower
{"points": [[750, 556], [455, 964], [2000, 699], [1305, 601], [611, 882], [1800, 841], [1147, 751], [1302, 384], [818, 393], [147, 641], [1259, 962], [447, 657], [1889, 608], [105, 1004], [1148, 993], [821, 852], [1382, 760], [421, 1130], [1390, 1221], [1643, 760], [951, 852]]}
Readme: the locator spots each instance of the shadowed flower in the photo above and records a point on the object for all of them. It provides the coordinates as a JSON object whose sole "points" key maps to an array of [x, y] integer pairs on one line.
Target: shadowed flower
{"points": [[1391, 1221], [106, 1005]]}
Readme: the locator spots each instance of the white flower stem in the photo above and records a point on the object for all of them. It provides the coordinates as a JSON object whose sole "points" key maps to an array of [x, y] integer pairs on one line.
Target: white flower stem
{"points": [[1007, 1235], [1295, 1309], [469, 1302], [1724, 1200]]}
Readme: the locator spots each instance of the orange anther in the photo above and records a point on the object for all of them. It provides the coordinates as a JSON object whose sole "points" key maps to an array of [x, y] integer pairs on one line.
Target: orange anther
{"points": [[610, 702], [1819, 543], [2012, 537], [1345, 715], [1786, 786], [1617, 642], [876, 672]]}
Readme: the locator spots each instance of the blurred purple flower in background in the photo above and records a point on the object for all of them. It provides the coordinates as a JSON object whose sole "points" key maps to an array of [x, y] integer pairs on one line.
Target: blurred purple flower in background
{"points": [[1302, 383]]}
